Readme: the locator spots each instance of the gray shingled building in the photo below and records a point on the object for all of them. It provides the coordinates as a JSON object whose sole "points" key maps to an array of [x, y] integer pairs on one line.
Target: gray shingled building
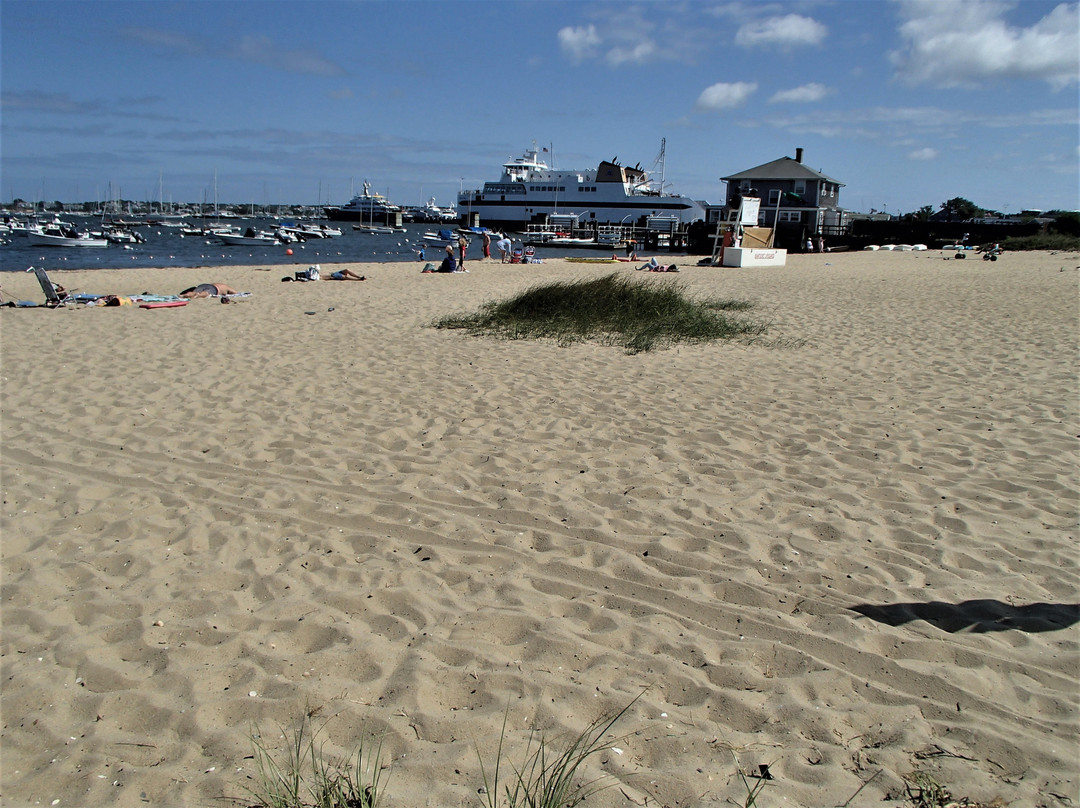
{"points": [[806, 202]]}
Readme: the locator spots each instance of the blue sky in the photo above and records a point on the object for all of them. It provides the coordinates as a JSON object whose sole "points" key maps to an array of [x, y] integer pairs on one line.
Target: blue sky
{"points": [[908, 103]]}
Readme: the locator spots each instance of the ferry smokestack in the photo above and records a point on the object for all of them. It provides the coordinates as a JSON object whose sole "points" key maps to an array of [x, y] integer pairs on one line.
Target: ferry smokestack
{"points": [[798, 155]]}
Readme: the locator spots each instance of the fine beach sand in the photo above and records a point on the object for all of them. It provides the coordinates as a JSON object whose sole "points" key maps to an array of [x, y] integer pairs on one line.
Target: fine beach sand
{"points": [[847, 551]]}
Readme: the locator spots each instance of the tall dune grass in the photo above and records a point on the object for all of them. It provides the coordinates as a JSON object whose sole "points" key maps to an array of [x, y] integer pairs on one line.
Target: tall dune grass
{"points": [[638, 314], [549, 775], [305, 777]]}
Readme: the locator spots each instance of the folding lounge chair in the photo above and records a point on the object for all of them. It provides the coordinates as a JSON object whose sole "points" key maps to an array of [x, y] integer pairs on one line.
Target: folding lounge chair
{"points": [[52, 298]]}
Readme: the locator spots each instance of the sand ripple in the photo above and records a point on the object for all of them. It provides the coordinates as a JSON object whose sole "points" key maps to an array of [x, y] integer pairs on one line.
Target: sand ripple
{"points": [[834, 551]]}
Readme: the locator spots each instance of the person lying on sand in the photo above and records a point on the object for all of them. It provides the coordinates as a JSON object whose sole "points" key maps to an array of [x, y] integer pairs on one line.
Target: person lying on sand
{"points": [[208, 290], [656, 266], [344, 275]]}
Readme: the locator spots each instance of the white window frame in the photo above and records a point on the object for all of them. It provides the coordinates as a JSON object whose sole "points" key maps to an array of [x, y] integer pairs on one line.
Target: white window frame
{"points": [[791, 215], [800, 188], [774, 197]]}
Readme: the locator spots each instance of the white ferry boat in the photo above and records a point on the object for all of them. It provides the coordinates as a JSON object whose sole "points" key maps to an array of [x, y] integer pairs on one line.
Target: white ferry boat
{"points": [[529, 191]]}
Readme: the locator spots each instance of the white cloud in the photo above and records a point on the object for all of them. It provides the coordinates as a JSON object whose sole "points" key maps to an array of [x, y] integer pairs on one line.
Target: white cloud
{"points": [[786, 31], [47, 102], [263, 50], [952, 43], [163, 40], [803, 94], [642, 52], [580, 42], [923, 154], [725, 95]]}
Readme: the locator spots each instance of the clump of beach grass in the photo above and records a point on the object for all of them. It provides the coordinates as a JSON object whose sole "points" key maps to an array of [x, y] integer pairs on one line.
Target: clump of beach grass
{"points": [[754, 785], [924, 791], [637, 314], [550, 775], [305, 777]]}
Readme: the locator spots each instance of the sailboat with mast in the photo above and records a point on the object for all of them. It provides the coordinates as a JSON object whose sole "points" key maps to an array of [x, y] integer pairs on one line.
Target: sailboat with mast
{"points": [[163, 218]]}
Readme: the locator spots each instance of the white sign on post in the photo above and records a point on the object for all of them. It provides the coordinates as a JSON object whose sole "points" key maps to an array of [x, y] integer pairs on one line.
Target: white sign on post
{"points": [[748, 210]]}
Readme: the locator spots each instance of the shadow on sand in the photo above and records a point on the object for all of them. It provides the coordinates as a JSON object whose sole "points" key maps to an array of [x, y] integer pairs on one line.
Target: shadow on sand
{"points": [[976, 616]]}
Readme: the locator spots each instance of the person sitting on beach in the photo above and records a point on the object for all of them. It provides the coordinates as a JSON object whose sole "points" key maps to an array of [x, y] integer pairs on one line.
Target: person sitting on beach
{"points": [[344, 275], [449, 263], [208, 290]]}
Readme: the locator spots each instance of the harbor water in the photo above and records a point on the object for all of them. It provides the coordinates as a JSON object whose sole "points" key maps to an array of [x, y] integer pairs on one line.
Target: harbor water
{"points": [[166, 247]]}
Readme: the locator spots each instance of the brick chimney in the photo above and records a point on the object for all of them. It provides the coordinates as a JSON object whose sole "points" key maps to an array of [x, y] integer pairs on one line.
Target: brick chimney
{"points": [[798, 155]]}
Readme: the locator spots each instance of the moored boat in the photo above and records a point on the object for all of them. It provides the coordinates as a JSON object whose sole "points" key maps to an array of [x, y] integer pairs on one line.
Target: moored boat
{"points": [[308, 230], [529, 191], [377, 229], [251, 238], [433, 213], [368, 206], [64, 236], [119, 235], [442, 238]]}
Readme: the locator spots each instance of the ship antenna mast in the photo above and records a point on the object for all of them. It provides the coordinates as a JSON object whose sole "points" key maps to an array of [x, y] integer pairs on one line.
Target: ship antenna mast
{"points": [[660, 159]]}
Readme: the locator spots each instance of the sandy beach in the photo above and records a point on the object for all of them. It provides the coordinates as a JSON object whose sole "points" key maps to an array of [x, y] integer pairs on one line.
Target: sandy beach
{"points": [[847, 551]]}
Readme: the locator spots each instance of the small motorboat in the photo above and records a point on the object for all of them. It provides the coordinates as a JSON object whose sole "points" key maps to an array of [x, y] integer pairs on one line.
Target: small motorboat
{"points": [[442, 238], [250, 238], [64, 236], [306, 231], [120, 235]]}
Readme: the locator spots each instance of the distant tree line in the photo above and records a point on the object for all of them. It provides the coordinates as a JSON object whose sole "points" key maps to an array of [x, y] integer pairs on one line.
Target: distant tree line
{"points": [[958, 209]]}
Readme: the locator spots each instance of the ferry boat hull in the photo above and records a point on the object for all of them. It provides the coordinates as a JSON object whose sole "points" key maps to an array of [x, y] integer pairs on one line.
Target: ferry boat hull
{"points": [[529, 191]]}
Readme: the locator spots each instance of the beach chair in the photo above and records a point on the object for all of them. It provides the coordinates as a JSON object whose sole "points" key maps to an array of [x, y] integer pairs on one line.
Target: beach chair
{"points": [[52, 297]]}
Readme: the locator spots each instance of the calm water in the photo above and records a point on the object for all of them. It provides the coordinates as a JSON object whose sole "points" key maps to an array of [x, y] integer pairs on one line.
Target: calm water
{"points": [[165, 247]]}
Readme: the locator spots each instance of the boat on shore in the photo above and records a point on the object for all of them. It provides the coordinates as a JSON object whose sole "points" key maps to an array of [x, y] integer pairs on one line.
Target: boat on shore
{"points": [[529, 191]]}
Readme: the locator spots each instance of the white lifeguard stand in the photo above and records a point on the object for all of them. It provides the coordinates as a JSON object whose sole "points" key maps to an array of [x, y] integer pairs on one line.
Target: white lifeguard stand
{"points": [[740, 243]]}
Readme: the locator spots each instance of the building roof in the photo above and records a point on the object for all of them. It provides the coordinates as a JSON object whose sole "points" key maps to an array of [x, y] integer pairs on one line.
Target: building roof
{"points": [[783, 169]]}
